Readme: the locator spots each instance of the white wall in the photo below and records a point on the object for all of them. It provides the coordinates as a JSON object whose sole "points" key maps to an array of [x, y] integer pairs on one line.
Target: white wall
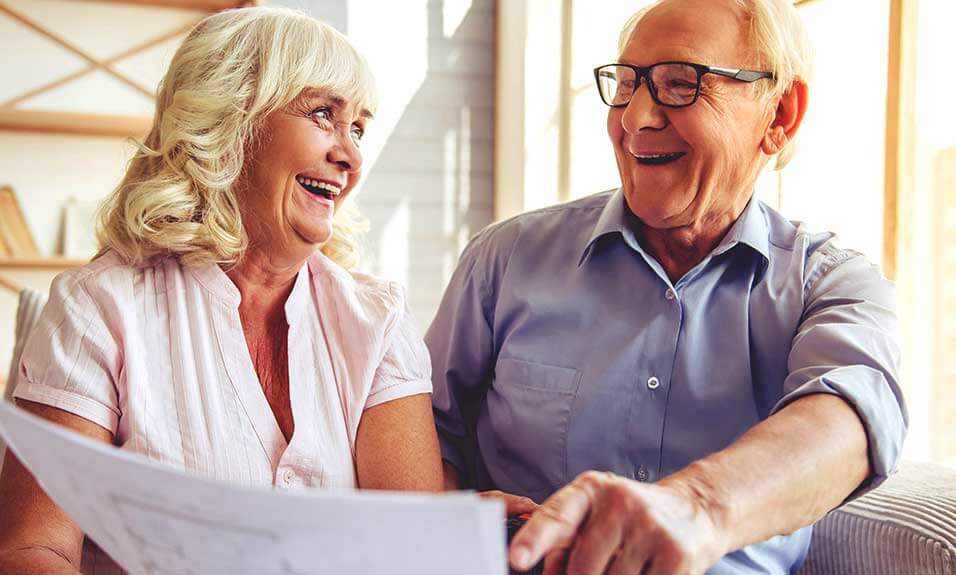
{"points": [[428, 184]]}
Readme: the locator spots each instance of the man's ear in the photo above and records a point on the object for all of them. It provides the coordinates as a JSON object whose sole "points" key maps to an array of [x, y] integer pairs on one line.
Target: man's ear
{"points": [[789, 115]]}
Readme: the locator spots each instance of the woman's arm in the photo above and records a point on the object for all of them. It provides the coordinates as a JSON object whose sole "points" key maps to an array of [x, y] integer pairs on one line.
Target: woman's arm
{"points": [[397, 448], [36, 536]]}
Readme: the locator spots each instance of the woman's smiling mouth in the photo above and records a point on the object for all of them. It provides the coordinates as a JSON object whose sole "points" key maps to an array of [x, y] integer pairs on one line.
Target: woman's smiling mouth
{"points": [[319, 188]]}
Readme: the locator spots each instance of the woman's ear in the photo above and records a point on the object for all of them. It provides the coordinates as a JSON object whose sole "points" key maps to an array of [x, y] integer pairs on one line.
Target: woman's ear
{"points": [[789, 115]]}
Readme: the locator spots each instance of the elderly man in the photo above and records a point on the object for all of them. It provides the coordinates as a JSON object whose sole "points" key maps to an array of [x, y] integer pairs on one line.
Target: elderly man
{"points": [[687, 378]]}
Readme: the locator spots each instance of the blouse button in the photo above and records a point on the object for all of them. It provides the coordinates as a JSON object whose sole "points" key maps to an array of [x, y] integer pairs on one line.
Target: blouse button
{"points": [[653, 382], [288, 476], [669, 294], [642, 474]]}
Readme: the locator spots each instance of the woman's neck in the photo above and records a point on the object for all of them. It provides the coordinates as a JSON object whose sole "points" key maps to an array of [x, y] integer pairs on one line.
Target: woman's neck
{"points": [[264, 284]]}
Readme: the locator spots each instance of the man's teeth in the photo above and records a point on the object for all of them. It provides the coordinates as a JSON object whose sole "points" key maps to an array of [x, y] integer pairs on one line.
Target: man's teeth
{"points": [[315, 186], [657, 156], [658, 159]]}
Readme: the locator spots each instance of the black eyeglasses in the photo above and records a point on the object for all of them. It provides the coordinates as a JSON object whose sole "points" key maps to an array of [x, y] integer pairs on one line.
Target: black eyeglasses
{"points": [[671, 84]]}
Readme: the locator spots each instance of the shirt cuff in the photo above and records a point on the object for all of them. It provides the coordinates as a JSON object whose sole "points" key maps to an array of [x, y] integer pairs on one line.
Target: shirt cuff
{"points": [[74, 403], [878, 408], [398, 391]]}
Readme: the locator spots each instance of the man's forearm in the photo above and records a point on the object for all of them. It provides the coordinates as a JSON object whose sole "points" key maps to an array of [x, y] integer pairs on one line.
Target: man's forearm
{"points": [[783, 474]]}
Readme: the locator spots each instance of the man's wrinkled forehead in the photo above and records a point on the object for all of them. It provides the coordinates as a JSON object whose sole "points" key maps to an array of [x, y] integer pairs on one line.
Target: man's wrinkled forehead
{"points": [[709, 31]]}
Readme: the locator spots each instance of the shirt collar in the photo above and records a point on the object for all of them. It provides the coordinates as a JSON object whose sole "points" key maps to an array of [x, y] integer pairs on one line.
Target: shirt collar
{"points": [[214, 279], [614, 219], [750, 228]]}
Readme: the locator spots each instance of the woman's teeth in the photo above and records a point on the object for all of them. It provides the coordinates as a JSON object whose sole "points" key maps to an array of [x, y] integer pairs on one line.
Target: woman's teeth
{"points": [[318, 188]]}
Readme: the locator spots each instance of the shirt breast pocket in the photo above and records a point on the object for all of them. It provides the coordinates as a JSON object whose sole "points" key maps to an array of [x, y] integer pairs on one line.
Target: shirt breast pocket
{"points": [[529, 408]]}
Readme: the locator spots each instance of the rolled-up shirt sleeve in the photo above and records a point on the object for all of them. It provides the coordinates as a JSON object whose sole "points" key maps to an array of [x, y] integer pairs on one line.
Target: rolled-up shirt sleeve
{"points": [[847, 345], [71, 360], [405, 369], [460, 340]]}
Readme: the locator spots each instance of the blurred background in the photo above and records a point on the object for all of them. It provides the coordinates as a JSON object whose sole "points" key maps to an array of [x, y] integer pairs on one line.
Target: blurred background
{"points": [[488, 109]]}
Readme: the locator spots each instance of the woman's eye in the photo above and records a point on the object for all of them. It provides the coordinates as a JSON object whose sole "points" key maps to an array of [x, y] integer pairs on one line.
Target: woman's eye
{"points": [[323, 114], [357, 133]]}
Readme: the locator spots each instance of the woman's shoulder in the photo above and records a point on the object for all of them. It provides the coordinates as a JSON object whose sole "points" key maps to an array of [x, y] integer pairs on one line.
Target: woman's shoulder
{"points": [[107, 277], [370, 292]]}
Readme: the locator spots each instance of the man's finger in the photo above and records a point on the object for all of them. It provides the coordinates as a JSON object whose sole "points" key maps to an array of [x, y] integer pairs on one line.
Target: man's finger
{"points": [[556, 562], [596, 544], [514, 504], [632, 557], [553, 524]]}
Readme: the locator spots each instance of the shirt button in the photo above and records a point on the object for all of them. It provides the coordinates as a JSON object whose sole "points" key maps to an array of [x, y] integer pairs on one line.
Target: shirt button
{"points": [[653, 383], [288, 476], [642, 474], [669, 294]]}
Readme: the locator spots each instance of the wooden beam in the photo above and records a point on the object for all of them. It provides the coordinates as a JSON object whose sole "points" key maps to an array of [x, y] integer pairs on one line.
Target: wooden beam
{"points": [[900, 153], [23, 20], [47, 87], [565, 102], [142, 47], [10, 285], [55, 264], [206, 5], [509, 112], [18, 120]]}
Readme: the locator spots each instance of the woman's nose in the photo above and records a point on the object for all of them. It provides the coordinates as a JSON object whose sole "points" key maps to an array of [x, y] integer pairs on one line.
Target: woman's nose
{"points": [[346, 153]]}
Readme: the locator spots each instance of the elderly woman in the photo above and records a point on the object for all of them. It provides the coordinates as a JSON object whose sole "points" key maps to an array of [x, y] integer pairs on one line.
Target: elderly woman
{"points": [[221, 330], [683, 376]]}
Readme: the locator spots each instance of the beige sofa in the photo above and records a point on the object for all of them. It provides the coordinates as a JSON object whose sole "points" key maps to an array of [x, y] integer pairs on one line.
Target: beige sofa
{"points": [[905, 527]]}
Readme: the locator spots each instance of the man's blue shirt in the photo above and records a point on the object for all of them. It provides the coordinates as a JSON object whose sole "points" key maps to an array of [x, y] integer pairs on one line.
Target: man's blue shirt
{"points": [[561, 346]]}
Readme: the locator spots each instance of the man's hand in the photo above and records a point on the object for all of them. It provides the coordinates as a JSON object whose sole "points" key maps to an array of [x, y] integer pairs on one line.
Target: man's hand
{"points": [[514, 504], [603, 523]]}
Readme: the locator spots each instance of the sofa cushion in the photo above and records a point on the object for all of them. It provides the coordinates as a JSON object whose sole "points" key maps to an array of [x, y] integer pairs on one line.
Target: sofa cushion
{"points": [[907, 526]]}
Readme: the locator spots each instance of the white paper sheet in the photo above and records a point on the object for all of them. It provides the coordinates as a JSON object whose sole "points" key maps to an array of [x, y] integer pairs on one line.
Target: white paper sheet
{"points": [[157, 521]]}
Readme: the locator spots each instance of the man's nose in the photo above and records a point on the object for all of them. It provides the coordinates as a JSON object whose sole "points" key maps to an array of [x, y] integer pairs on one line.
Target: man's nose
{"points": [[642, 112]]}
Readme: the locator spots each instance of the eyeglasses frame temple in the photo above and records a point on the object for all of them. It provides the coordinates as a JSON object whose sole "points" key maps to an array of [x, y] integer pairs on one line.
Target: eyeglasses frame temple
{"points": [[741, 75]]}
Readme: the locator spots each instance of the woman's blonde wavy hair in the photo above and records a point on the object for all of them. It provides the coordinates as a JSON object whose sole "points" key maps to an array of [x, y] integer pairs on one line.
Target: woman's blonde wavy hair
{"points": [[178, 196]]}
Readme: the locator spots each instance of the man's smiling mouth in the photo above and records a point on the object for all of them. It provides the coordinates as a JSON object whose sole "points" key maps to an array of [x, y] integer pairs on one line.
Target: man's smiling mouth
{"points": [[658, 159]]}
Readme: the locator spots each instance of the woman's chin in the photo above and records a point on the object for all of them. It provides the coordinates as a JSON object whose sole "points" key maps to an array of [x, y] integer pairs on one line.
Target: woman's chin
{"points": [[313, 236]]}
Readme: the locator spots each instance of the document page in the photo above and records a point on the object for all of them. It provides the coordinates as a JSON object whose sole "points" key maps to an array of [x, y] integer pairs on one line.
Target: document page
{"points": [[155, 520]]}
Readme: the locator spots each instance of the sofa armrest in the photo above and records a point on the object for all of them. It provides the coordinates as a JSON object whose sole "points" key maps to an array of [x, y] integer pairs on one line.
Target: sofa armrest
{"points": [[905, 526], [30, 305]]}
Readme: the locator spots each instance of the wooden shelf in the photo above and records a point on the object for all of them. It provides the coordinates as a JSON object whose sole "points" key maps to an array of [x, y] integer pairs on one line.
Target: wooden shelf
{"points": [[13, 271], [40, 263], [208, 5], [18, 120]]}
